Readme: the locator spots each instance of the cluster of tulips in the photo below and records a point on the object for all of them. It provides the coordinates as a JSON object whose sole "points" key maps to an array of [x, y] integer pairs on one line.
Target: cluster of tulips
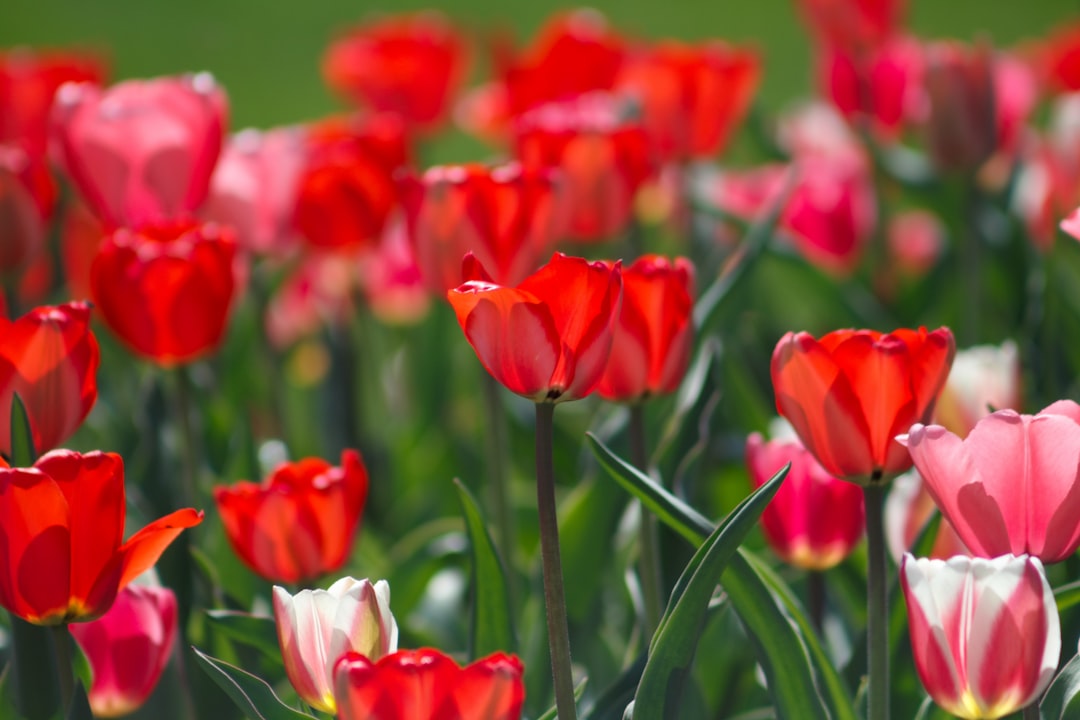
{"points": [[207, 255]]}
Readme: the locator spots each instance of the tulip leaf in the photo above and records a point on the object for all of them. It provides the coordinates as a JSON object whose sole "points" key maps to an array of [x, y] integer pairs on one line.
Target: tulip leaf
{"points": [[614, 699], [1062, 699], [252, 630], [254, 697], [675, 642], [492, 623], [80, 704], [22, 438], [1067, 595], [552, 712]]}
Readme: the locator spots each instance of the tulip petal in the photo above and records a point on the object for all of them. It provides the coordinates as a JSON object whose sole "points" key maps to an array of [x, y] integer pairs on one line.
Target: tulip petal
{"points": [[1053, 495], [144, 548]]}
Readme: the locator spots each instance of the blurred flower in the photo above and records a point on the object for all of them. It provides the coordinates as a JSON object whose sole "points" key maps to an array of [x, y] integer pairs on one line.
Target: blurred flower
{"points": [[66, 514], [507, 217], [27, 194], [409, 64], [317, 292], [983, 378], [427, 685], [908, 509], [299, 524], [316, 627], [1012, 485], [390, 279], [346, 188], [49, 357], [166, 289], [815, 520], [128, 648], [654, 333], [29, 80], [254, 188], [141, 151], [1058, 58], [916, 240], [855, 24], [1048, 184], [1071, 224], [81, 235], [961, 127], [547, 339], [849, 394], [603, 161], [985, 633], [693, 98]]}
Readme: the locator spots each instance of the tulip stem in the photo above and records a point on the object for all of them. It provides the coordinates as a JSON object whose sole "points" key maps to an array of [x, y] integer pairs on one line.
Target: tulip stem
{"points": [[498, 477], [815, 590], [189, 451], [877, 611], [1031, 712], [649, 539], [554, 596], [62, 644]]}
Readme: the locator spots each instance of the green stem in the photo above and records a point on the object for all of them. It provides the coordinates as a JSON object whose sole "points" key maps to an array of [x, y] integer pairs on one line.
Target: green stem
{"points": [[190, 450], [649, 539], [62, 644], [815, 589], [499, 476], [1031, 712], [877, 610], [554, 596]]}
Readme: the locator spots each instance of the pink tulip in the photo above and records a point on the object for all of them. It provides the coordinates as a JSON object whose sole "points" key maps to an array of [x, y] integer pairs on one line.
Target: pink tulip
{"points": [[985, 633], [1012, 486], [143, 150], [316, 627], [815, 520], [1071, 224], [128, 648]]}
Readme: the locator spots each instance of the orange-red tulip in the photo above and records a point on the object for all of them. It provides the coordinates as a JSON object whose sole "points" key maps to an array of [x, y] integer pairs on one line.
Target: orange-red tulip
{"points": [[49, 358], [849, 394], [299, 523], [61, 537]]}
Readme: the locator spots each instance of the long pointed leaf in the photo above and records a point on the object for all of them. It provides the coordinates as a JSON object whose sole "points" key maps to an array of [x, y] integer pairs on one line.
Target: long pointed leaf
{"points": [[492, 623], [254, 697], [252, 630], [1062, 699], [23, 453], [80, 704]]}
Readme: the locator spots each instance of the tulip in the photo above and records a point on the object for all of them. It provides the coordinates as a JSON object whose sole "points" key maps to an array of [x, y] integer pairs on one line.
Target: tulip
{"points": [[299, 523], [961, 126], [1058, 58], [409, 65], [983, 379], [507, 217], [141, 151], [849, 394], [427, 685], [1071, 224], [856, 24], [908, 509], [985, 633], [548, 338], [66, 514], [81, 235], [49, 358], [165, 290], [316, 627], [128, 648], [1048, 182], [317, 292], [26, 198], [391, 280], [1012, 485], [603, 160], [815, 520], [916, 240], [654, 333]]}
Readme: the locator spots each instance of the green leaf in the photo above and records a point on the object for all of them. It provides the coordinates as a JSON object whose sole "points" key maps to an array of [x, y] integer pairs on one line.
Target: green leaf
{"points": [[1067, 596], [36, 688], [613, 701], [588, 518], [254, 697], [552, 712], [1062, 699], [673, 646], [80, 704], [22, 438], [492, 623], [252, 630]]}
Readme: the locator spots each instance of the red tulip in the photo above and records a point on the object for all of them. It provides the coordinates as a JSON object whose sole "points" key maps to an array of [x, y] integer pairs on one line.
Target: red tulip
{"points": [[81, 236], [853, 23], [49, 358], [547, 339], [61, 526], [603, 160], [427, 685], [299, 523], [961, 125], [849, 394], [27, 193], [655, 330], [391, 279], [409, 65], [346, 189], [1058, 58], [166, 290], [693, 97], [128, 648], [508, 218], [141, 151], [815, 520]]}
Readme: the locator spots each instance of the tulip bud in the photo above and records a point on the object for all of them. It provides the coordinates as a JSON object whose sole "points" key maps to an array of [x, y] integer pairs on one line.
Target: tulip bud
{"points": [[962, 125], [316, 627]]}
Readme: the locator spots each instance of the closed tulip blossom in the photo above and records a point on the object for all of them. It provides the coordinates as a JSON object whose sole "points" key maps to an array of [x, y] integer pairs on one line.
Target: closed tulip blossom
{"points": [[49, 358], [316, 627], [985, 633], [128, 648], [141, 151], [548, 338], [61, 533], [815, 520], [299, 524], [427, 685], [849, 394], [27, 195], [654, 334], [1012, 485]]}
